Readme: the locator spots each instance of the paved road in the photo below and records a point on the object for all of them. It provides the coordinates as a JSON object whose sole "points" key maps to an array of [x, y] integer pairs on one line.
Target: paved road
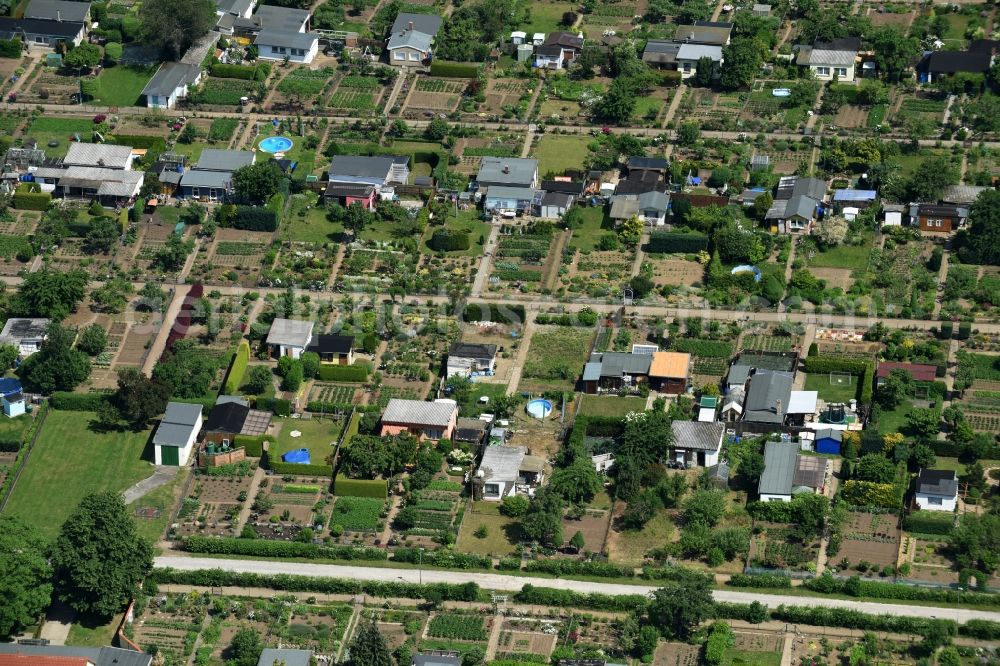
{"points": [[514, 583]]}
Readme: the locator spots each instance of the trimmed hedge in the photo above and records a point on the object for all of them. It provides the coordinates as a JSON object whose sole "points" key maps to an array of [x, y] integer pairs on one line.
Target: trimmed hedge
{"points": [[10, 48], [677, 241], [10, 445], [277, 406], [877, 589], [985, 630], [154, 143], [498, 314], [238, 369], [546, 596], [580, 568], [331, 372], [267, 548], [929, 522], [759, 580], [276, 204], [374, 488], [458, 70], [31, 198], [253, 445], [78, 402], [255, 218], [443, 557], [852, 619], [225, 71], [386, 589]]}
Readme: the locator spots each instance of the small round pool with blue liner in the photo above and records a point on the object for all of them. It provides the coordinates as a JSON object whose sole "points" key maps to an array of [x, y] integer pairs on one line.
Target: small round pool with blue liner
{"points": [[275, 144]]}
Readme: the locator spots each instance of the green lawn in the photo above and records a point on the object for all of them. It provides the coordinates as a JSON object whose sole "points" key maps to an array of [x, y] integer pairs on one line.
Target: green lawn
{"points": [[546, 17], [556, 356], [854, 257], [380, 231], [70, 461], [586, 236], [647, 106], [192, 150], [471, 407], [609, 405], [735, 657], [631, 546], [93, 632], [557, 153], [832, 392], [502, 533], [318, 435], [48, 129], [122, 86], [164, 498], [11, 429], [309, 225], [466, 220], [895, 420]]}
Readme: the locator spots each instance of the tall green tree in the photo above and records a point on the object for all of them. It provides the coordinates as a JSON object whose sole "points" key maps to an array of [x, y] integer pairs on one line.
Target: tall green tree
{"points": [[578, 482], [983, 236], [681, 605], [84, 56], [98, 559], [57, 366], [140, 399], [618, 104], [254, 184], [543, 520], [245, 648], [25, 575], [50, 293], [369, 648], [740, 64], [175, 25]]}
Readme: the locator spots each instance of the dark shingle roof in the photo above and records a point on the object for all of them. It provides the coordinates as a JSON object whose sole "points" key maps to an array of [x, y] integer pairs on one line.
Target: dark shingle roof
{"points": [[938, 482], [471, 350], [951, 62], [10, 28], [765, 391], [228, 417], [331, 344]]}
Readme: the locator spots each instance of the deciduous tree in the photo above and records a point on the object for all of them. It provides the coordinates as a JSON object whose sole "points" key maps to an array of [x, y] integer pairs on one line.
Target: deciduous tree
{"points": [[174, 25], [25, 575]]}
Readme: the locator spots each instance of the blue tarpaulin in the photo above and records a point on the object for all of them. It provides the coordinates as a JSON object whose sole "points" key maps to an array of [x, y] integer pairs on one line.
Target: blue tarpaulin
{"points": [[300, 456]]}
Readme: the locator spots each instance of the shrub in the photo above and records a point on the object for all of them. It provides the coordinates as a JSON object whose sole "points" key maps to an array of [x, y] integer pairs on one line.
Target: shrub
{"points": [[238, 369], [580, 568], [10, 48], [225, 71], [677, 241], [929, 522], [443, 557], [984, 630], [544, 596], [255, 218], [278, 406], [253, 445], [449, 240], [330, 372], [760, 580], [719, 640], [375, 488], [276, 204], [498, 314], [458, 70], [10, 445]]}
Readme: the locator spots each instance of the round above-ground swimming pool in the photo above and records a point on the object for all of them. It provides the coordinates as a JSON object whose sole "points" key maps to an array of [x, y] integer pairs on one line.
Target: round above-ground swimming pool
{"points": [[539, 408], [276, 144]]}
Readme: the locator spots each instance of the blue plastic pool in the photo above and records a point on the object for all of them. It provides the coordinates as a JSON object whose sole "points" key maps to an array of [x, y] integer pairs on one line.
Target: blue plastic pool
{"points": [[276, 144], [539, 408]]}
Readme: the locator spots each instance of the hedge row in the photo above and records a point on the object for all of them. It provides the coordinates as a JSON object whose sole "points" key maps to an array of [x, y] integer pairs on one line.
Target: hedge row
{"points": [[586, 317], [27, 200], [10, 445], [253, 445], [255, 218], [457, 70], [331, 372], [498, 314], [580, 568], [78, 402], [291, 583], [375, 488], [226, 71], [238, 369], [149, 142], [985, 630], [449, 240], [677, 241], [443, 557], [876, 589], [852, 619], [268, 548], [10, 48], [675, 573], [298, 469], [929, 522], [545, 596], [276, 204], [277, 406], [760, 580], [944, 447]]}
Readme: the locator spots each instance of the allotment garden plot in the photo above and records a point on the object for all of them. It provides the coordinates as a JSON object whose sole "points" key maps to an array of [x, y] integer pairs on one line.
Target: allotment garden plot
{"points": [[518, 261], [870, 540], [428, 513], [357, 94], [213, 503], [302, 265], [599, 273], [437, 95], [556, 356], [234, 256]]}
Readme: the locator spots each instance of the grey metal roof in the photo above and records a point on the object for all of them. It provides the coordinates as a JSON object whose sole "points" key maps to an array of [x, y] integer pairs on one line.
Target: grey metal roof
{"points": [[10, 28], [57, 10], [413, 39], [937, 482], [659, 163], [290, 332], [654, 200], [738, 373], [699, 51], [789, 186], [359, 166], [592, 371], [471, 350], [830, 433], [616, 364], [435, 660], [102, 656], [25, 328], [169, 77], [623, 206], [103, 155], [507, 171], [557, 199], [292, 40], [779, 468], [660, 51], [177, 423], [962, 194], [502, 463], [419, 412], [801, 206], [284, 19], [285, 657], [697, 435], [809, 55], [765, 390], [704, 34], [428, 24], [199, 178], [219, 159], [234, 7], [503, 192]]}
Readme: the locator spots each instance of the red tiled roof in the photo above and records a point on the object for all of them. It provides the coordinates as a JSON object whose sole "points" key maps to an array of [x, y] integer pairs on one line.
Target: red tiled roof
{"points": [[42, 660], [920, 371]]}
